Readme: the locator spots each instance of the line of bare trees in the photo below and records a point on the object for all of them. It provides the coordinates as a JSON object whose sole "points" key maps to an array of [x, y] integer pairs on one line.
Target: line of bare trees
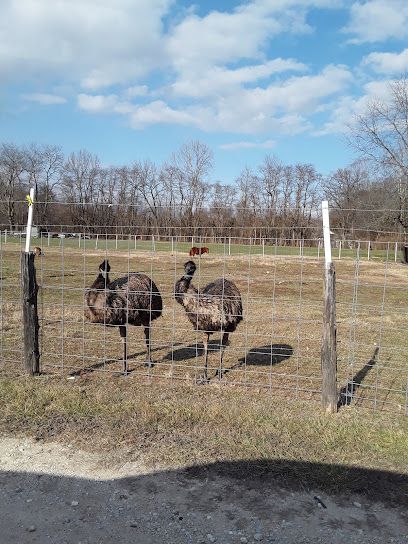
{"points": [[180, 197]]}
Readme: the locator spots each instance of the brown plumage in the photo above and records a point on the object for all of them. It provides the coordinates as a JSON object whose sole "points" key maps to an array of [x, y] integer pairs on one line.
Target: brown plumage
{"points": [[133, 299], [217, 307]]}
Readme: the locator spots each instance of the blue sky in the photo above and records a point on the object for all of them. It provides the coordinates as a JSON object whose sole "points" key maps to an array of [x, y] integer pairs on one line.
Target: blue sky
{"points": [[135, 79]]}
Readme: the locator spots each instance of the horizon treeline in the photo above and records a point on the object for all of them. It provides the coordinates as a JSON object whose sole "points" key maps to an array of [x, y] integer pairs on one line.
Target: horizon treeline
{"points": [[77, 193]]}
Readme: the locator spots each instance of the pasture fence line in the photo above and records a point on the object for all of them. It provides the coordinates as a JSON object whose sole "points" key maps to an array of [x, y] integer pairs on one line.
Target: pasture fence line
{"points": [[347, 347], [307, 247]]}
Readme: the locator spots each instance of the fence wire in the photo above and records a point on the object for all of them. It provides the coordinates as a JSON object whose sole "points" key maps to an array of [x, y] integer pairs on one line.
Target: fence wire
{"points": [[275, 346]]}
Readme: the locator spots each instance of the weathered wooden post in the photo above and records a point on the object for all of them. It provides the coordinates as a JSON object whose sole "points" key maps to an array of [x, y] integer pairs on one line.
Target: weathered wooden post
{"points": [[405, 254], [29, 289], [329, 346]]}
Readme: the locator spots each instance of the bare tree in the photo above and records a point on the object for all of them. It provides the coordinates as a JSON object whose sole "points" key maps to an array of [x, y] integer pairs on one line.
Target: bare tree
{"points": [[44, 170], [344, 188], [80, 186], [12, 168], [191, 166], [381, 134]]}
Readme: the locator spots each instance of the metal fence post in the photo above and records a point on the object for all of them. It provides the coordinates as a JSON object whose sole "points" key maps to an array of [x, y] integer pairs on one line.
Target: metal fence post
{"points": [[329, 347]]}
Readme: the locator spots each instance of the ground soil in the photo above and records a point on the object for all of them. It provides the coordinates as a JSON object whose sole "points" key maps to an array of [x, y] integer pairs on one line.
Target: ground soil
{"points": [[53, 493]]}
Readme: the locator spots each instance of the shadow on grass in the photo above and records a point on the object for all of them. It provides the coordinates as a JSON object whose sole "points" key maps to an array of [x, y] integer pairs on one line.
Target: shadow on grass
{"points": [[191, 351], [348, 391], [101, 364], [236, 493], [272, 354]]}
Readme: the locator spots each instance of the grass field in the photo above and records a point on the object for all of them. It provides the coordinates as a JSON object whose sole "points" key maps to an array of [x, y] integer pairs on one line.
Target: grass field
{"points": [[276, 347]]}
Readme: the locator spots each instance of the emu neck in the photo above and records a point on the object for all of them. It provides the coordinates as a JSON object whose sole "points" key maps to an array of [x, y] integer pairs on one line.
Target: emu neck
{"points": [[183, 286], [101, 282]]}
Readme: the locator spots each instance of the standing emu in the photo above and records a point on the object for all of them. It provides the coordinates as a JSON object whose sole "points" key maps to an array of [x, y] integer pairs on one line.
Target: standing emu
{"points": [[133, 300], [217, 307]]}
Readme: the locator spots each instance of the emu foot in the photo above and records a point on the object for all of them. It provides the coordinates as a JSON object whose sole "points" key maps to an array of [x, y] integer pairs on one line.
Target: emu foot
{"points": [[149, 364], [203, 379]]}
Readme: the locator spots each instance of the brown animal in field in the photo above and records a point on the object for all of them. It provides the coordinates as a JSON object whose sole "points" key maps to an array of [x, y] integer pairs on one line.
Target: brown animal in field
{"points": [[198, 251], [37, 251]]}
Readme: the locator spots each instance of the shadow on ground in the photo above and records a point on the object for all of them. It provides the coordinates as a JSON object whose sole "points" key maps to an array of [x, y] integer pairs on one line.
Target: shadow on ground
{"points": [[280, 501], [347, 393], [271, 354], [101, 364], [191, 351]]}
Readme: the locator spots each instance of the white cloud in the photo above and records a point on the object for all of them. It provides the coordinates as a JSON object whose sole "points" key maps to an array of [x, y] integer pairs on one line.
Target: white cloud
{"points": [[136, 90], [225, 37], [44, 98], [95, 42], [215, 80], [378, 20], [283, 108], [267, 144], [387, 63], [213, 72], [139, 116], [346, 110]]}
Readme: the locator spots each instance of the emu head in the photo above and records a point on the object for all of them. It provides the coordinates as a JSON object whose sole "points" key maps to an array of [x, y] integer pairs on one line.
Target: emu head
{"points": [[104, 268], [189, 268]]}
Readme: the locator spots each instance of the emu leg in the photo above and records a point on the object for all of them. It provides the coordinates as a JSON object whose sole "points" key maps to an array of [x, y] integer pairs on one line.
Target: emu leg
{"points": [[148, 346], [224, 344], [204, 378], [123, 331]]}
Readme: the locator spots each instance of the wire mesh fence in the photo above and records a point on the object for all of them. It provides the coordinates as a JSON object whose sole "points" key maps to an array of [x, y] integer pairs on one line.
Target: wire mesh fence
{"points": [[275, 346]]}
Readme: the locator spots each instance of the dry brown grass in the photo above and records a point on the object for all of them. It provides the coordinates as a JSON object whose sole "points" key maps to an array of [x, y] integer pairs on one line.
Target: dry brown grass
{"points": [[181, 425]]}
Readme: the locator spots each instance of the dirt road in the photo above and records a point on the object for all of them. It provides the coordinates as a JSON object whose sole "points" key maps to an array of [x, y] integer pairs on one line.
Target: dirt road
{"points": [[54, 494]]}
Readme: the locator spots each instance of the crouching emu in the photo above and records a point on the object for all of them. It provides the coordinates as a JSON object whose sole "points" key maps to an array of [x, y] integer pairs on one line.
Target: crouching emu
{"points": [[133, 299], [217, 307]]}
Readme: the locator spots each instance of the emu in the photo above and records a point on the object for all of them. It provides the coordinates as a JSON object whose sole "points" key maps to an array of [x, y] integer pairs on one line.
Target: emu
{"points": [[133, 299], [217, 307]]}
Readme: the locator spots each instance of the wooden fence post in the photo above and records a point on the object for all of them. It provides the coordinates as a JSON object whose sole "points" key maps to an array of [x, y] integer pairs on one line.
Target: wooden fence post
{"points": [[329, 346], [29, 289]]}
